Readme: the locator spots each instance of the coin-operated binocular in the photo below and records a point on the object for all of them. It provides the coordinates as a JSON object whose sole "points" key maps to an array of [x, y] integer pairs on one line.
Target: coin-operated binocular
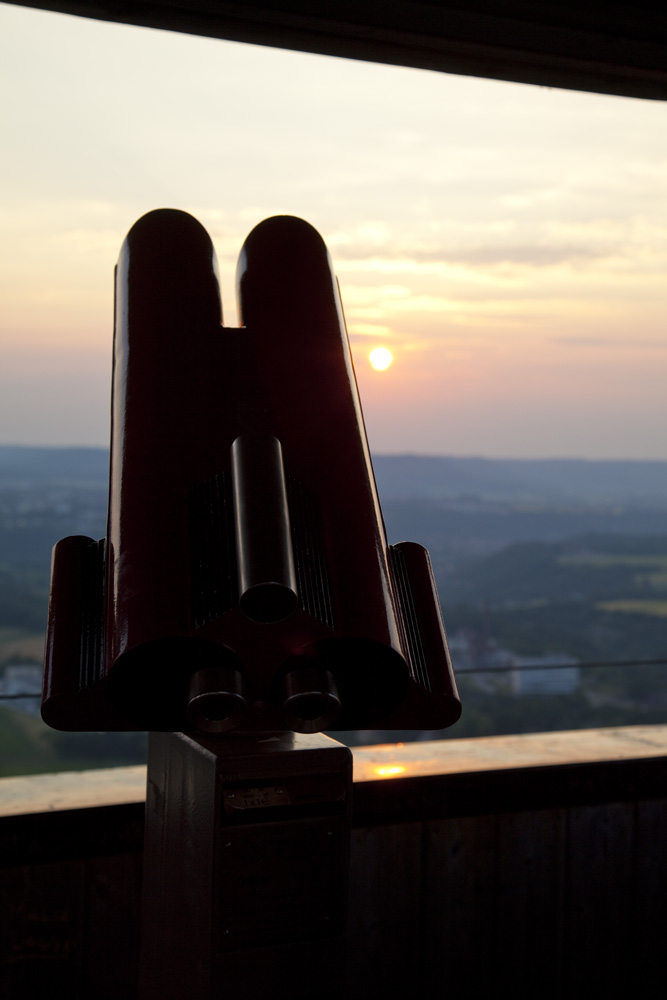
{"points": [[245, 580]]}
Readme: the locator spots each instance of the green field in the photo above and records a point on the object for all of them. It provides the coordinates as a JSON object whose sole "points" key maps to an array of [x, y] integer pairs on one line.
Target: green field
{"points": [[20, 645], [28, 746], [602, 559], [657, 609]]}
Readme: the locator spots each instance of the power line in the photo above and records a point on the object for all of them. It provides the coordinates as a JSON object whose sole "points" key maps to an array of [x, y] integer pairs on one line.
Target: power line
{"points": [[23, 694], [658, 662]]}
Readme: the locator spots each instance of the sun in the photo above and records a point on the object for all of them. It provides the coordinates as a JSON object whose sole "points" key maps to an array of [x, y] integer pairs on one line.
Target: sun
{"points": [[380, 358]]}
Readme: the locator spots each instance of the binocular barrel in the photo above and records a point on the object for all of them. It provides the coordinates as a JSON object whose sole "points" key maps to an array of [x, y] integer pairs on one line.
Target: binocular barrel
{"points": [[245, 580], [265, 562]]}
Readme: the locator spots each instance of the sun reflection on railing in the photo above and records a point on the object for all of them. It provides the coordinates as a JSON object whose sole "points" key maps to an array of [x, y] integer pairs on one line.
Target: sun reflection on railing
{"points": [[390, 770], [386, 760]]}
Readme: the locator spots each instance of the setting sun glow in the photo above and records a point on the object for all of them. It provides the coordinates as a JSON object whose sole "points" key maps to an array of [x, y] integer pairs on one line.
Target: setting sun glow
{"points": [[508, 240], [380, 358]]}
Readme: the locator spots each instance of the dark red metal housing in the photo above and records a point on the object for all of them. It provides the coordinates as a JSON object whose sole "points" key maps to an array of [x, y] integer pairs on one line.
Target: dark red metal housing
{"points": [[245, 580]]}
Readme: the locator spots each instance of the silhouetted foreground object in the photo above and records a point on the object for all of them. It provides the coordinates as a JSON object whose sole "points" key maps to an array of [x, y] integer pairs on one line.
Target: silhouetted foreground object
{"points": [[245, 580], [245, 886]]}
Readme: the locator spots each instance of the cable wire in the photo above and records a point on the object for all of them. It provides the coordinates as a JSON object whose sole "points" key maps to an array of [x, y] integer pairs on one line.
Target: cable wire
{"points": [[657, 662]]}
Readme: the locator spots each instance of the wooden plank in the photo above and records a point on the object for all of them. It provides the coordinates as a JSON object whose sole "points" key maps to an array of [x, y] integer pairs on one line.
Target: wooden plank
{"points": [[459, 909], [41, 944], [480, 896], [40, 793], [39, 838], [600, 960], [531, 903], [650, 909], [482, 879], [111, 927], [387, 762], [510, 790], [384, 916]]}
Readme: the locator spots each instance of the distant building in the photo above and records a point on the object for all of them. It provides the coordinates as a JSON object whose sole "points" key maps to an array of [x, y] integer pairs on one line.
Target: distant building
{"points": [[460, 651], [494, 658], [21, 679], [559, 674]]}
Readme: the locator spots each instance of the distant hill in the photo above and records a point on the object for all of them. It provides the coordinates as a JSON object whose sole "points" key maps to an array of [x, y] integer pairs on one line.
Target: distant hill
{"points": [[407, 477], [23, 465], [402, 477]]}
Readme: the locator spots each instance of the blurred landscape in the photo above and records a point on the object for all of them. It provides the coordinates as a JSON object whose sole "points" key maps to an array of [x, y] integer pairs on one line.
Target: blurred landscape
{"points": [[542, 564]]}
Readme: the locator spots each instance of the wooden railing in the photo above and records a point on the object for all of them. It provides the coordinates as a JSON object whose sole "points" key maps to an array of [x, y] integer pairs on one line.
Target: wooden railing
{"points": [[529, 865]]}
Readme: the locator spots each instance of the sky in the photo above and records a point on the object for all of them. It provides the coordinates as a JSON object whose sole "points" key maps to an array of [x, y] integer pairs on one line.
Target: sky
{"points": [[507, 243]]}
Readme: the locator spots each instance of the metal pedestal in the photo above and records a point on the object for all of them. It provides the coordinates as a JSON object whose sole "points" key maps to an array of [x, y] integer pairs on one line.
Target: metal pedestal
{"points": [[246, 867]]}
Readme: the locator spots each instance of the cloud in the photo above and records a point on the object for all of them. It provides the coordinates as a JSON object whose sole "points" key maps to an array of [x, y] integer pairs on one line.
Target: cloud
{"points": [[363, 332], [525, 255], [531, 255], [610, 343]]}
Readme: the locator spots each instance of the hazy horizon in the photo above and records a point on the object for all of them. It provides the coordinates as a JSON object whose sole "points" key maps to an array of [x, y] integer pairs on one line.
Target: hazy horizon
{"points": [[621, 460]]}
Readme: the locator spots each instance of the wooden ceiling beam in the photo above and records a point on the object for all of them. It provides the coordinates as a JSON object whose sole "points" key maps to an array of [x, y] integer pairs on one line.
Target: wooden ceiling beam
{"points": [[604, 47]]}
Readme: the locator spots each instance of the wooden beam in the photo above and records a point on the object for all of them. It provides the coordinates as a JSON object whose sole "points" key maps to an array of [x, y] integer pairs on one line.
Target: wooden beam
{"points": [[611, 48], [380, 772]]}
